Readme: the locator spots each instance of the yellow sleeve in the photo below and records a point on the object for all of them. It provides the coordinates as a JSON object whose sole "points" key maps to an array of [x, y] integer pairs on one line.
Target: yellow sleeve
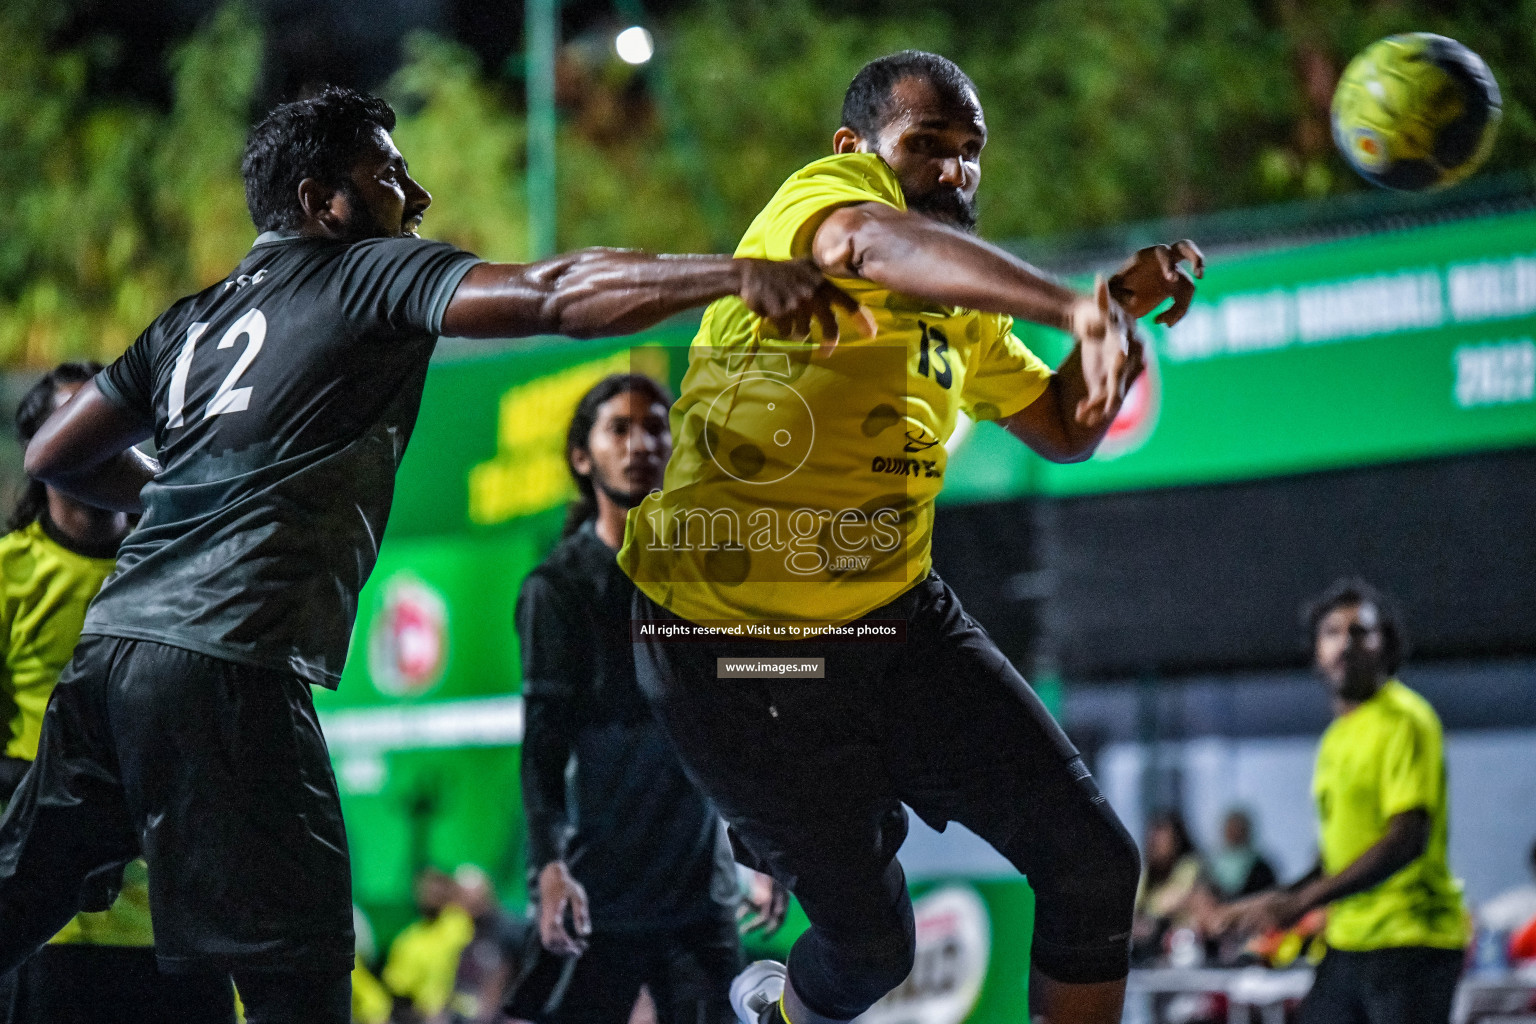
{"points": [[1006, 375], [403, 969], [1410, 771], [371, 1002], [788, 223]]}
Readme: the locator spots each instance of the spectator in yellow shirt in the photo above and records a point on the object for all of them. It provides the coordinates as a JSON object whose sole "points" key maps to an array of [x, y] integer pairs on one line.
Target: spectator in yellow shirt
{"points": [[424, 959]]}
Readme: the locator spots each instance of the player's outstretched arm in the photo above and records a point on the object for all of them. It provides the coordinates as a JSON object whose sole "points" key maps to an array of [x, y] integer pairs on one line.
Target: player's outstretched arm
{"points": [[919, 256], [1406, 838], [85, 449], [603, 292]]}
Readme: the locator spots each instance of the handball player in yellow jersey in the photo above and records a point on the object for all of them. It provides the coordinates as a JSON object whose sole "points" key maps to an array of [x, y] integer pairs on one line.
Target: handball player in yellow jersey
{"points": [[1397, 927], [797, 514]]}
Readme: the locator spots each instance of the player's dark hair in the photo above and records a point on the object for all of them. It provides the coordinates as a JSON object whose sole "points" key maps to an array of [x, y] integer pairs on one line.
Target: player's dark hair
{"points": [[320, 137], [579, 436], [35, 407], [867, 103], [1352, 592]]}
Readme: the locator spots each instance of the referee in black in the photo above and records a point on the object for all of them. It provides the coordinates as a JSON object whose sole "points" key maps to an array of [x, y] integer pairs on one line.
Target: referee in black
{"points": [[280, 400], [617, 834]]}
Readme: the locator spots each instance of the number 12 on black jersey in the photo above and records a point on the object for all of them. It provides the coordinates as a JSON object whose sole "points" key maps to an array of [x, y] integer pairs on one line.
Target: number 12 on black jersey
{"points": [[227, 398]]}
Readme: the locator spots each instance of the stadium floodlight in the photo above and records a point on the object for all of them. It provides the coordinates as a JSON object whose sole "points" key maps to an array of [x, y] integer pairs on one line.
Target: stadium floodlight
{"points": [[634, 45]]}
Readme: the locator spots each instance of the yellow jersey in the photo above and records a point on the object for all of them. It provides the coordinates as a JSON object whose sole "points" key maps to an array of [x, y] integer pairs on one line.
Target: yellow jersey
{"points": [[44, 590], [424, 959], [1381, 759], [801, 487]]}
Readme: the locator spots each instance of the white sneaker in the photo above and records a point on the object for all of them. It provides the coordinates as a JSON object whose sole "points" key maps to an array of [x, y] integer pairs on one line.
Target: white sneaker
{"points": [[757, 987]]}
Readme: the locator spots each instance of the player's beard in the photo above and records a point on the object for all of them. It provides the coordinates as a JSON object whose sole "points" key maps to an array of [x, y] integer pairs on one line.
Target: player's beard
{"points": [[949, 205], [359, 224], [1360, 675], [623, 499]]}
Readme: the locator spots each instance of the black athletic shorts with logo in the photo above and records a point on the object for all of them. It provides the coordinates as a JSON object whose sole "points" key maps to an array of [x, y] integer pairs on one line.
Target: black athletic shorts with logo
{"points": [[811, 773], [219, 774]]}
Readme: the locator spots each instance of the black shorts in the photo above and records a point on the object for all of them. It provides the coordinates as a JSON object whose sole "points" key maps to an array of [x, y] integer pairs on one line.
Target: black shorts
{"points": [[85, 984], [1405, 985], [218, 774], [688, 971], [811, 773]]}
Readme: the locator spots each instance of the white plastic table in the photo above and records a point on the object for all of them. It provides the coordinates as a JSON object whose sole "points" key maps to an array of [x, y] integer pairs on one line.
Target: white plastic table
{"points": [[1245, 988]]}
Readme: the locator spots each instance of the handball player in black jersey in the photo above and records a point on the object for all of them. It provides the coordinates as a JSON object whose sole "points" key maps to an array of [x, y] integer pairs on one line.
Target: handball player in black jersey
{"points": [[280, 401], [617, 834]]}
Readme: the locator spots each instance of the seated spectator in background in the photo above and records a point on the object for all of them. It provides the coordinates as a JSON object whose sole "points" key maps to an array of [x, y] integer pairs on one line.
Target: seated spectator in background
{"points": [[1238, 869], [1167, 897], [424, 958], [493, 953], [1235, 871]]}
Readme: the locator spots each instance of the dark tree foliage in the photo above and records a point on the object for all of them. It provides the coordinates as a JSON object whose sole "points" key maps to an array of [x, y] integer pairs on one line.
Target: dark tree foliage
{"points": [[1100, 112]]}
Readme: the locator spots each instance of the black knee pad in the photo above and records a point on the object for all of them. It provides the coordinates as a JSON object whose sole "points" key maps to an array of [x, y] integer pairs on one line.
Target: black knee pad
{"points": [[841, 973], [841, 980], [1084, 902], [887, 958]]}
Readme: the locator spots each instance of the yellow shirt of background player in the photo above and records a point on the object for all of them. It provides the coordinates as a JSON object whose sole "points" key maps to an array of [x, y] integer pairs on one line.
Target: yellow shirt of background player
{"points": [[1385, 757], [44, 590], [801, 485]]}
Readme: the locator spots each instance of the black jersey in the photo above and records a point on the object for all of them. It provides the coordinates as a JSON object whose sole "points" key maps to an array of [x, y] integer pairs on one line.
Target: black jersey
{"points": [[602, 786], [281, 402]]}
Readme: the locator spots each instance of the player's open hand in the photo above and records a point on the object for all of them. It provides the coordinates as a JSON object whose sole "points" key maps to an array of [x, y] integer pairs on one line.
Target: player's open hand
{"points": [[557, 891], [1153, 275], [1111, 354], [764, 906], [1264, 912], [794, 294]]}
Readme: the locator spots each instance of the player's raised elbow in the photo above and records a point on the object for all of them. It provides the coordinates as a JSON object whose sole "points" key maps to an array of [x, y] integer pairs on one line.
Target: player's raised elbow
{"points": [[1063, 451], [47, 457], [854, 239], [1049, 433], [82, 434], [38, 461], [1067, 455]]}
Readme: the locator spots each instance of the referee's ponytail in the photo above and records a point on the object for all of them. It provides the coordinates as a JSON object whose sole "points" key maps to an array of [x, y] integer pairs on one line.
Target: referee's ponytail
{"points": [[35, 408], [579, 436]]}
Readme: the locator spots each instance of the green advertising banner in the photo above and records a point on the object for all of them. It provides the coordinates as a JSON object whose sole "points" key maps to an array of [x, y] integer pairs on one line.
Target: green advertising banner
{"points": [[1377, 348]]}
